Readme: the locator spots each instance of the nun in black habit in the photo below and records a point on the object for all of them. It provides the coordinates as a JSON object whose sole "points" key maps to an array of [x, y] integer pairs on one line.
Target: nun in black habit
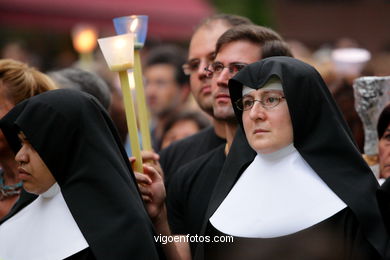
{"points": [[306, 193], [93, 209]]}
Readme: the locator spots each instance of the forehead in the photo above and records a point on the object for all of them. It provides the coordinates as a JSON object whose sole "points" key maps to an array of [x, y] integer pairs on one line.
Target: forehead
{"points": [[260, 92], [273, 84], [160, 70], [205, 38], [239, 51]]}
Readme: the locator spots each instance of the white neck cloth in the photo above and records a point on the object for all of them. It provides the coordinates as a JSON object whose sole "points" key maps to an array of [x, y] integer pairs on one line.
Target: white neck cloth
{"points": [[43, 230], [278, 194]]}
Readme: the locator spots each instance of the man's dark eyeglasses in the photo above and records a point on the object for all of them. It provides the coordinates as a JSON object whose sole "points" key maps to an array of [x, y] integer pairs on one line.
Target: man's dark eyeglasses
{"points": [[215, 68]]}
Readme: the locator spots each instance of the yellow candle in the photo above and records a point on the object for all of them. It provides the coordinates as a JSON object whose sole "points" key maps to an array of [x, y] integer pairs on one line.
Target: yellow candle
{"points": [[86, 60], [121, 67], [141, 102], [131, 120]]}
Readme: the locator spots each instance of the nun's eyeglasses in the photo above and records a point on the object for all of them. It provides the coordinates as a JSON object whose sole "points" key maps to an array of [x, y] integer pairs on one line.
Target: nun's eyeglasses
{"points": [[268, 100], [215, 68]]}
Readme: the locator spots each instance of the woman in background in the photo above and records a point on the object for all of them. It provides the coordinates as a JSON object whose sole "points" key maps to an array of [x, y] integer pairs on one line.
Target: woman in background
{"points": [[18, 82]]}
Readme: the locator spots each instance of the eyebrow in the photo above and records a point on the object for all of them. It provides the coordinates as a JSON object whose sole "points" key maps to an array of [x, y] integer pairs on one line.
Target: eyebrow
{"points": [[192, 60], [269, 91]]}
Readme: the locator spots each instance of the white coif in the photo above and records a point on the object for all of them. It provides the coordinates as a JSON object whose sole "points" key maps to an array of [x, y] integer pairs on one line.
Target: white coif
{"points": [[278, 194], [44, 230]]}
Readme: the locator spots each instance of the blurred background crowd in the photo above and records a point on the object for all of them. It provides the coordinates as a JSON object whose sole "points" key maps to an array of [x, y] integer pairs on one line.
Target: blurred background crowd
{"points": [[42, 33]]}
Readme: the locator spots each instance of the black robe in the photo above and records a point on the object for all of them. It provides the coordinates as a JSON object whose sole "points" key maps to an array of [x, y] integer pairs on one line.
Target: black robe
{"points": [[324, 141], [188, 149], [190, 190], [78, 142]]}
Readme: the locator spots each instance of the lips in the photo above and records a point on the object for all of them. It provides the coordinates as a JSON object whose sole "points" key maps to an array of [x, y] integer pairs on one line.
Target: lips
{"points": [[260, 131], [222, 97], [23, 174], [205, 90]]}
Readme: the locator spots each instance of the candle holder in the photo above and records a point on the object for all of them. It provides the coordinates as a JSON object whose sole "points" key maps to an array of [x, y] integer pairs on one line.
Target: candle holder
{"points": [[84, 42], [137, 24], [119, 57]]}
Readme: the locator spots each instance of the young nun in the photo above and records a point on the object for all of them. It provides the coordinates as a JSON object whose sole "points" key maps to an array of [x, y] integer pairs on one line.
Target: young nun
{"points": [[88, 206], [307, 193]]}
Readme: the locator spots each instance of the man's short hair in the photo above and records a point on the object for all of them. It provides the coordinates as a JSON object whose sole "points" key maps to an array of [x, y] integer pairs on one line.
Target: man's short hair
{"points": [[230, 20], [171, 55], [271, 42]]}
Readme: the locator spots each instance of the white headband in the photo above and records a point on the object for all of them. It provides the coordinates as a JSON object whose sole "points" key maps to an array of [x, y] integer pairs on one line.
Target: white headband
{"points": [[272, 84]]}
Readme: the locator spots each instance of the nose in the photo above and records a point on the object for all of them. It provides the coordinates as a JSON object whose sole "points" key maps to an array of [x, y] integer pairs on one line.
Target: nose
{"points": [[202, 74], [257, 112], [21, 156], [223, 78]]}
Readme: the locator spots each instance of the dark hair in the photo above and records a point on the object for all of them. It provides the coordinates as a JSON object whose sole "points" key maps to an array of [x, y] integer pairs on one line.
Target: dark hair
{"points": [[271, 42], [200, 120], [383, 121], [171, 55], [275, 48], [85, 81], [230, 20]]}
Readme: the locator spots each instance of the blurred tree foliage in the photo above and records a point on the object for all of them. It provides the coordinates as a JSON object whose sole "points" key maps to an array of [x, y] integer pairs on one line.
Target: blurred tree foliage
{"points": [[259, 11]]}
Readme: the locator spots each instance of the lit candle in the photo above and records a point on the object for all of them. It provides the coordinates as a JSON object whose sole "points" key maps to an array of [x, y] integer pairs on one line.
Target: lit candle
{"points": [[119, 57], [84, 41], [139, 89], [137, 24]]}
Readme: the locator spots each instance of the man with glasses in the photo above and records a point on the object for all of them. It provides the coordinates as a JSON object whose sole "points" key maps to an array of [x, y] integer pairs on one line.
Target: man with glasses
{"points": [[201, 54], [191, 186]]}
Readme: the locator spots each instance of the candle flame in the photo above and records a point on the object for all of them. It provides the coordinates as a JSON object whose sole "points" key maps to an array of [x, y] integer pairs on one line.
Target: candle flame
{"points": [[134, 25], [119, 44], [84, 40]]}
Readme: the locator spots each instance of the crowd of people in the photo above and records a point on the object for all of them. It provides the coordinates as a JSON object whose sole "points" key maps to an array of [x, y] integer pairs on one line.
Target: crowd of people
{"points": [[249, 143]]}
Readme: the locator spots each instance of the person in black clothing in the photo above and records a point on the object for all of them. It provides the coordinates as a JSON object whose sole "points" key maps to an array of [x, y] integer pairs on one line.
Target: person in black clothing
{"points": [[306, 193], [383, 131], [236, 48], [86, 204], [190, 187], [201, 53]]}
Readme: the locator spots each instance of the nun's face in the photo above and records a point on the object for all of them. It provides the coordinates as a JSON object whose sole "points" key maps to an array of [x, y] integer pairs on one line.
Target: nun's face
{"points": [[267, 129], [34, 173], [384, 154]]}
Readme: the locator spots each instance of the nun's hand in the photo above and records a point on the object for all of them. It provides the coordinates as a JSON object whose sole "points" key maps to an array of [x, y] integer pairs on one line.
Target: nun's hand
{"points": [[152, 190]]}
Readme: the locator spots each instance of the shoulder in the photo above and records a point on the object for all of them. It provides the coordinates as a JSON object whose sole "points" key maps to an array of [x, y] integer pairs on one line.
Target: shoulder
{"points": [[188, 142], [204, 160], [207, 164], [188, 149]]}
